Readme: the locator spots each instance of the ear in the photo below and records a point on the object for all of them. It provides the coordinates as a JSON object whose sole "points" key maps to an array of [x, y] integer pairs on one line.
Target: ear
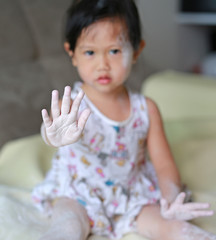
{"points": [[70, 53], [67, 49], [139, 50]]}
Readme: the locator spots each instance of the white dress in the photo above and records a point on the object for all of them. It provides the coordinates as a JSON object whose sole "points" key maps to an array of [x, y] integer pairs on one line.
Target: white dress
{"points": [[107, 170]]}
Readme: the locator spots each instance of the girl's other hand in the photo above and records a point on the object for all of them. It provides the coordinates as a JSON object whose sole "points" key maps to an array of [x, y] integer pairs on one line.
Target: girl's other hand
{"points": [[64, 127], [178, 210]]}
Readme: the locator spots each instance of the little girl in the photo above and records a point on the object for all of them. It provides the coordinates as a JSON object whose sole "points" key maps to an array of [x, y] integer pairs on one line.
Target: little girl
{"points": [[101, 181]]}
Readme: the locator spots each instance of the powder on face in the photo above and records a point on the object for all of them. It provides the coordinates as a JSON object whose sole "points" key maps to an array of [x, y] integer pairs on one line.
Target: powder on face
{"points": [[127, 54], [127, 51]]}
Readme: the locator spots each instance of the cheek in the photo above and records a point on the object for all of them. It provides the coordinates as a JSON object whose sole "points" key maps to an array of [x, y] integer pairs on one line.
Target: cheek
{"points": [[82, 72], [85, 72], [123, 69]]}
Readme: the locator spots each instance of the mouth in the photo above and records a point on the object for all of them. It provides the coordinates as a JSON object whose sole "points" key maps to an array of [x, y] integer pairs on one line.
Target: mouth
{"points": [[104, 80]]}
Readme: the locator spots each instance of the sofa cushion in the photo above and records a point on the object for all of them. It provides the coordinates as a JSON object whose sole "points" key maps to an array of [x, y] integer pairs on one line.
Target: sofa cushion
{"points": [[193, 144], [24, 162], [46, 23], [60, 71], [16, 40], [207, 223], [196, 160], [182, 95], [25, 90], [181, 130]]}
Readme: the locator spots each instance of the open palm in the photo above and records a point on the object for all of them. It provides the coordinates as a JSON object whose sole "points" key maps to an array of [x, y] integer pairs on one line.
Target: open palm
{"points": [[179, 210], [64, 126]]}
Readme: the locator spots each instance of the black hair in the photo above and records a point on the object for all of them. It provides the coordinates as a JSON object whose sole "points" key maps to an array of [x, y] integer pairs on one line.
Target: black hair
{"points": [[82, 13]]}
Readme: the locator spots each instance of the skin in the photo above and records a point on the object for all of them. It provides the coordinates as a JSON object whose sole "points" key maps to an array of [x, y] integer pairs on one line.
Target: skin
{"points": [[63, 127], [100, 58], [68, 215]]}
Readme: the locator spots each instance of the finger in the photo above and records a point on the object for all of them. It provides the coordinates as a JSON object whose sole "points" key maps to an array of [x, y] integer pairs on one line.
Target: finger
{"points": [[55, 104], [164, 205], [83, 118], [66, 100], [76, 102], [194, 206], [180, 198], [46, 119], [196, 214]]}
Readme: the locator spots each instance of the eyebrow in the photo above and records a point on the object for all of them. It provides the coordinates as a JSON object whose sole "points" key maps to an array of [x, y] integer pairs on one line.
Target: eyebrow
{"points": [[82, 47]]}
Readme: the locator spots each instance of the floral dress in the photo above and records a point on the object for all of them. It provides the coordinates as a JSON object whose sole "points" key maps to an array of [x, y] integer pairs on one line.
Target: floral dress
{"points": [[107, 170]]}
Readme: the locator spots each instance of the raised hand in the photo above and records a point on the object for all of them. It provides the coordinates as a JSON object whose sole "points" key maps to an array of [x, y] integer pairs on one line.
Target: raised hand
{"points": [[64, 126], [178, 210]]}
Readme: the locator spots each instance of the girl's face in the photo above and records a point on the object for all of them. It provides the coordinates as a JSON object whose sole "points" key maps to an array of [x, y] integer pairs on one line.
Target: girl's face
{"points": [[103, 55]]}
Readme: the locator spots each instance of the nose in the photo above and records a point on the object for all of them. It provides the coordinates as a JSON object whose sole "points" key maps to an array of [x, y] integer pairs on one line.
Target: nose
{"points": [[103, 63]]}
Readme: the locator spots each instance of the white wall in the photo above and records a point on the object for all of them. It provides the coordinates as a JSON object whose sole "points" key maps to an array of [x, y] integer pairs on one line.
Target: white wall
{"points": [[169, 45]]}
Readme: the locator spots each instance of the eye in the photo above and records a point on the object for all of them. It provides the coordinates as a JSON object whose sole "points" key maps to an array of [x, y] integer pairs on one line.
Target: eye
{"points": [[114, 51], [89, 53]]}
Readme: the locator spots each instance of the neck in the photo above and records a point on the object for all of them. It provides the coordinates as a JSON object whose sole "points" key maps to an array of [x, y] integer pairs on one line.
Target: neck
{"points": [[114, 104]]}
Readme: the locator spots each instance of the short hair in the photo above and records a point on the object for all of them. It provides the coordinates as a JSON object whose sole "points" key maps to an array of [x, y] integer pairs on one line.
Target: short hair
{"points": [[83, 13]]}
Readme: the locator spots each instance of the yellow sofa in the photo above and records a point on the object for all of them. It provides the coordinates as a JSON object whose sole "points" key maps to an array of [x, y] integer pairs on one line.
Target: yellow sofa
{"points": [[188, 106]]}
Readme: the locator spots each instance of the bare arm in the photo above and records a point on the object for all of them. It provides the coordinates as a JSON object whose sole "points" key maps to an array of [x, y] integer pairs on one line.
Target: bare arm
{"points": [[161, 156], [172, 202]]}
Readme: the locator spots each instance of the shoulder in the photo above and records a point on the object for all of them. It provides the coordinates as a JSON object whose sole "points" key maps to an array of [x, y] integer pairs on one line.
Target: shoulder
{"points": [[151, 104], [156, 126], [153, 110]]}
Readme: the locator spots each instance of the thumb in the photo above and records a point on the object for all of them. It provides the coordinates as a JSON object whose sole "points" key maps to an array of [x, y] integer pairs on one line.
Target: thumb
{"points": [[164, 205]]}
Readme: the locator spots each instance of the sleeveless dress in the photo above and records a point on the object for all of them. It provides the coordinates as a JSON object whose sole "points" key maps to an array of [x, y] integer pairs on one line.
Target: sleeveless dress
{"points": [[107, 170]]}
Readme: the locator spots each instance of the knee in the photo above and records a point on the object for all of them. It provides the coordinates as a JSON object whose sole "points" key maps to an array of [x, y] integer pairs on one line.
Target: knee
{"points": [[76, 228], [74, 215], [70, 205]]}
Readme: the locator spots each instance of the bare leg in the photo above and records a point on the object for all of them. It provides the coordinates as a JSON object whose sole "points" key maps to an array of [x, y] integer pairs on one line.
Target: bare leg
{"points": [[69, 222], [150, 224]]}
